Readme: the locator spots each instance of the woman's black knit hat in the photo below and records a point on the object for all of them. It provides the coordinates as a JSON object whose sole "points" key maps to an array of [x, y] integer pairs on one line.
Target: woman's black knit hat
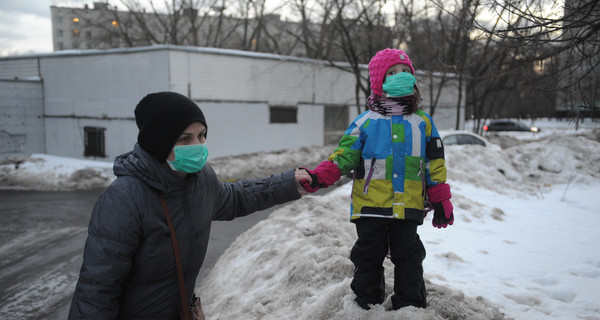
{"points": [[161, 118]]}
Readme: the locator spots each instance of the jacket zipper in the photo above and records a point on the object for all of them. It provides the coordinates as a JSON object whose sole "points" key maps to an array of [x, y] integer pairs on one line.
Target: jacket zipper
{"points": [[366, 188], [423, 184]]}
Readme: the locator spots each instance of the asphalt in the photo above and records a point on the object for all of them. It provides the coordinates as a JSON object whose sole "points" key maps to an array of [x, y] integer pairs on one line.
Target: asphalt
{"points": [[43, 235]]}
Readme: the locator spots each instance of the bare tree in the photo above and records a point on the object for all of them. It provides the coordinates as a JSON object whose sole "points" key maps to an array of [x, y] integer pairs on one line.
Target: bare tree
{"points": [[245, 25], [563, 38], [351, 31]]}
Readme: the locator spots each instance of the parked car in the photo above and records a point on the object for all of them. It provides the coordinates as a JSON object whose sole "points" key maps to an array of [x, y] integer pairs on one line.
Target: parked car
{"points": [[508, 125], [450, 138]]}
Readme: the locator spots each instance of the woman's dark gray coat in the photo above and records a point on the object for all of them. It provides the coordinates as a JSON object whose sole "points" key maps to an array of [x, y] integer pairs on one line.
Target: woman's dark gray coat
{"points": [[128, 269]]}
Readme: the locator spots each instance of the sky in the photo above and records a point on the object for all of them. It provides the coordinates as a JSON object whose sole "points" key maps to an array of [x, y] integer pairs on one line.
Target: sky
{"points": [[523, 245], [25, 27]]}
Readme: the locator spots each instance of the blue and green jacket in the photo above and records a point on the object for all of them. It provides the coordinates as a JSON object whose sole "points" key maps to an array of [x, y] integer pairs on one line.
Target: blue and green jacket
{"points": [[394, 158]]}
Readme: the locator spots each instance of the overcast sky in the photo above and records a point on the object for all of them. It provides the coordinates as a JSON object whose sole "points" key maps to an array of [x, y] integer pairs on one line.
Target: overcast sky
{"points": [[25, 26]]}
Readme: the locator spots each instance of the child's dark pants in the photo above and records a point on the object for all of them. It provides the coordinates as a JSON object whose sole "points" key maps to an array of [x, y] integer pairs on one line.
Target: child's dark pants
{"points": [[408, 253]]}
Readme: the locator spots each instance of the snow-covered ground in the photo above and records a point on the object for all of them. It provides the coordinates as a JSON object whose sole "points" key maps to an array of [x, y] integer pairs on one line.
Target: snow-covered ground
{"points": [[524, 244]]}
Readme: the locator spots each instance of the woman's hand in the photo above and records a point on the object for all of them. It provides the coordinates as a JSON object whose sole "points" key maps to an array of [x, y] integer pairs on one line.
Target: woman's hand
{"points": [[302, 174]]}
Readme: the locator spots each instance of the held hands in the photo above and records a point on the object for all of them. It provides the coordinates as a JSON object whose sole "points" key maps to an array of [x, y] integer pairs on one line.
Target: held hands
{"points": [[302, 175], [324, 175], [439, 197]]}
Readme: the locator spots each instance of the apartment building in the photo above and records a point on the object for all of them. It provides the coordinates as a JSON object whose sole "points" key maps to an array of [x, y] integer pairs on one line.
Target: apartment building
{"points": [[101, 26]]}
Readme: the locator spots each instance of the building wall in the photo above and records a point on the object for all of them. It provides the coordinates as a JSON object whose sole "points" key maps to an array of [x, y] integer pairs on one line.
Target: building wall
{"points": [[238, 128], [99, 90], [21, 121], [214, 75], [20, 68], [235, 89], [235, 93]]}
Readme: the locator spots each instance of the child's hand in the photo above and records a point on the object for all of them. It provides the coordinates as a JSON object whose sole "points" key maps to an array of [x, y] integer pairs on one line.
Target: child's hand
{"points": [[443, 214], [324, 175], [439, 196]]}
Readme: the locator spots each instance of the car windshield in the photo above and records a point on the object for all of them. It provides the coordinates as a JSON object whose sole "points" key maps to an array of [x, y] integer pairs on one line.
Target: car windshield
{"points": [[460, 139], [522, 125]]}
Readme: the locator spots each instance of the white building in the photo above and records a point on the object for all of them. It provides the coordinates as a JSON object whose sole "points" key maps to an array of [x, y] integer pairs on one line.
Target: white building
{"points": [[81, 103]]}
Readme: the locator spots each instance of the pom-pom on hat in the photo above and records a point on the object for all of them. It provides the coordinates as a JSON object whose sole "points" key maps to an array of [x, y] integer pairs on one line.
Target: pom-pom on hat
{"points": [[381, 62], [161, 118]]}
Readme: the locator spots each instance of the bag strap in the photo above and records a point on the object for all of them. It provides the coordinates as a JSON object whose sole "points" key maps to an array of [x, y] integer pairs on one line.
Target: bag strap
{"points": [[184, 308]]}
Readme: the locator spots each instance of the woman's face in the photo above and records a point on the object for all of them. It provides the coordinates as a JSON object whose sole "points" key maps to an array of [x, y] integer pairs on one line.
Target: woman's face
{"points": [[195, 133]]}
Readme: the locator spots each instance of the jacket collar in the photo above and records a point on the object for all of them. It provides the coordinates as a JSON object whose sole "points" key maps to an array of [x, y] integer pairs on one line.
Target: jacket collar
{"points": [[141, 164]]}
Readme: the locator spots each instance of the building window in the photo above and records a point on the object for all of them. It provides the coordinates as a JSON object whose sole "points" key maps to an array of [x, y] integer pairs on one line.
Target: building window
{"points": [[94, 142], [59, 33], [75, 33], [283, 114], [61, 46], [59, 20]]}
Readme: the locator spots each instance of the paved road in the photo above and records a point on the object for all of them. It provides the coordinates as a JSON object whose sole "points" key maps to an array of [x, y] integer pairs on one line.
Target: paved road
{"points": [[42, 235]]}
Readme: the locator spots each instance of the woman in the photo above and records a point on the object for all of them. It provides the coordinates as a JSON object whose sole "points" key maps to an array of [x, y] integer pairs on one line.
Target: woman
{"points": [[129, 269]]}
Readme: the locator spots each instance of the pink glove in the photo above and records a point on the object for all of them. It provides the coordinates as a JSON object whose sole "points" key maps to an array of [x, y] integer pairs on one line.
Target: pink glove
{"points": [[324, 175], [439, 197]]}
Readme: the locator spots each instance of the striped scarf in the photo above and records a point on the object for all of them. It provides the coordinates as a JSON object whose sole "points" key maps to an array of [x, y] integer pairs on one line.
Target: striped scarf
{"points": [[393, 106]]}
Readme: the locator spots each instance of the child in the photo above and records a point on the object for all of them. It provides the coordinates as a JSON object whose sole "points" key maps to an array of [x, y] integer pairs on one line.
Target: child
{"points": [[397, 156]]}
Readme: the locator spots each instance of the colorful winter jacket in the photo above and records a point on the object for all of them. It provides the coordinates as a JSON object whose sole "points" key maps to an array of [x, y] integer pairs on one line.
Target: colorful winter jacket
{"points": [[394, 158]]}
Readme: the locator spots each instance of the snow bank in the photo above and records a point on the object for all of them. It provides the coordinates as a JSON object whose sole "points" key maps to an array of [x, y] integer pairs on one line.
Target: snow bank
{"points": [[510, 253], [523, 246], [47, 172], [295, 265]]}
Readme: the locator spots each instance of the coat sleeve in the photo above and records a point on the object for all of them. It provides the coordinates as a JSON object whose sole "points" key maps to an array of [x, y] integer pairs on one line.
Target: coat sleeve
{"points": [[436, 172], [247, 196], [113, 237], [347, 154]]}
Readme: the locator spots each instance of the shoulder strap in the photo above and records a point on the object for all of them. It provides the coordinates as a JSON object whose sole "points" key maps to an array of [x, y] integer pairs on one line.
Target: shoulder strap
{"points": [[184, 306]]}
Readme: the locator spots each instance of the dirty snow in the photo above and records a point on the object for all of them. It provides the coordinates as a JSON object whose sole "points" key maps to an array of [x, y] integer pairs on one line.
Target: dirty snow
{"points": [[523, 246]]}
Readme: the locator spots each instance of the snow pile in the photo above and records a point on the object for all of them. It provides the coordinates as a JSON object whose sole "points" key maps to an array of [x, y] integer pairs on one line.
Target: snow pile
{"points": [[522, 246], [295, 265], [261, 164], [47, 172]]}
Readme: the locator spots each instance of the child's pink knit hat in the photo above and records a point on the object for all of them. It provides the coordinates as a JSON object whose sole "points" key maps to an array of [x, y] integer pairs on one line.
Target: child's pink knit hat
{"points": [[381, 62]]}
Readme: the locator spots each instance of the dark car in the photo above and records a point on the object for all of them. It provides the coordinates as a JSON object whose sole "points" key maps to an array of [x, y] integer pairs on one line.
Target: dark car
{"points": [[508, 125]]}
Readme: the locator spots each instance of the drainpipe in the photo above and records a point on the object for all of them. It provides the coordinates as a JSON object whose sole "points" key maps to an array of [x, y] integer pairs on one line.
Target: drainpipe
{"points": [[43, 103]]}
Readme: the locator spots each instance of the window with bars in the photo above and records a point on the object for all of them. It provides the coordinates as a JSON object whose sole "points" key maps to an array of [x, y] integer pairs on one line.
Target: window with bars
{"points": [[94, 142], [283, 114]]}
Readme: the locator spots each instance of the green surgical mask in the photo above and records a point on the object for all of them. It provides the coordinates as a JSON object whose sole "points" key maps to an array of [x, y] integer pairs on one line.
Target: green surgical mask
{"points": [[399, 85], [189, 159]]}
